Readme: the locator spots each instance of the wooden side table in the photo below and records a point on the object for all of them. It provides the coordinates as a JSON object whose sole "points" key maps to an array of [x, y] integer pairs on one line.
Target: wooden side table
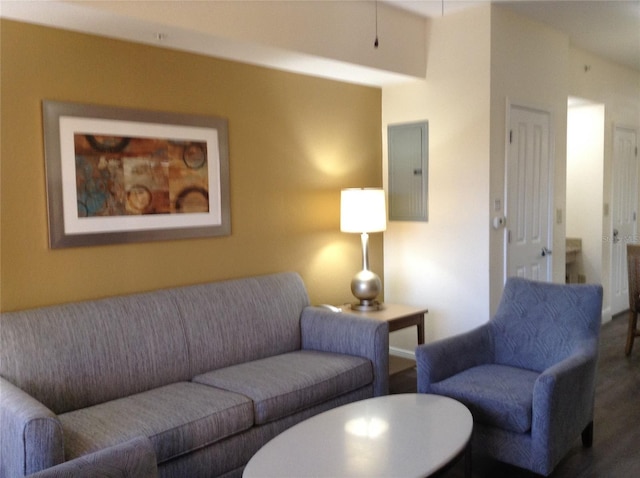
{"points": [[399, 317]]}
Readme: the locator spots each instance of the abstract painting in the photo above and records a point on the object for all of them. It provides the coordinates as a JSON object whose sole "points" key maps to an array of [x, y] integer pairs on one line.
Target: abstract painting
{"points": [[118, 175]]}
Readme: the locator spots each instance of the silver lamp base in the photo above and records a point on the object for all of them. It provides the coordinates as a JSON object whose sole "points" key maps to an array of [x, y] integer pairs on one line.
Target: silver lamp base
{"points": [[367, 306], [365, 286]]}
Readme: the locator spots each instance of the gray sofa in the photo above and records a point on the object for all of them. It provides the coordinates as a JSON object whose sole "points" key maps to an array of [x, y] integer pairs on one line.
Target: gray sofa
{"points": [[209, 373], [131, 459]]}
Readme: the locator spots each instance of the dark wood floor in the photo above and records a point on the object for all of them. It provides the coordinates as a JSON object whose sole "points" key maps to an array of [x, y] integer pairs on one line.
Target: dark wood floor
{"points": [[616, 444]]}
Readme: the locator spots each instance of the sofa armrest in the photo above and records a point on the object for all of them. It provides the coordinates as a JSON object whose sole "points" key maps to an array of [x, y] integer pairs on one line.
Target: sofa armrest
{"points": [[30, 435], [441, 359], [132, 459], [563, 400], [328, 331]]}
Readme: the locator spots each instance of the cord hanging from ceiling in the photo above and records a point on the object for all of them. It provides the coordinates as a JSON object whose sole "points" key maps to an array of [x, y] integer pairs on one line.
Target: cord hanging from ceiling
{"points": [[376, 43]]}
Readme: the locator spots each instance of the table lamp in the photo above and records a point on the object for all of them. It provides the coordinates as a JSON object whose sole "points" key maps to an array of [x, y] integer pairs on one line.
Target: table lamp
{"points": [[363, 210]]}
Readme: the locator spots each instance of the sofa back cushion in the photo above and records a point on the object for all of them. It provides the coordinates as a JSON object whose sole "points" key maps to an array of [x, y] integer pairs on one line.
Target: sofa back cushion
{"points": [[231, 322], [77, 355]]}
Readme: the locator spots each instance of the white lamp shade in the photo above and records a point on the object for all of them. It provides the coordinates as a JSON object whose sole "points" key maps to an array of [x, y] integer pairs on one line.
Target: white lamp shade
{"points": [[363, 210]]}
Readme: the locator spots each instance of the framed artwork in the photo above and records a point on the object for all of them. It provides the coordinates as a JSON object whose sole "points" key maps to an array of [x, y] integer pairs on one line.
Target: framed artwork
{"points": [[117, 175]]}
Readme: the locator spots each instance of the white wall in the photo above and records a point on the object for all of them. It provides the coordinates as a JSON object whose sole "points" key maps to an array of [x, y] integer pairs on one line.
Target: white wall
{"points": [[585, 184], [478, 61], [279, 32], [618, 88], [529, 68], [443, 264]]}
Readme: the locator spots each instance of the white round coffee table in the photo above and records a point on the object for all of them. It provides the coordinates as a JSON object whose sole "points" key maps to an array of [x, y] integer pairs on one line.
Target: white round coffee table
{"points": [[407, 435]]}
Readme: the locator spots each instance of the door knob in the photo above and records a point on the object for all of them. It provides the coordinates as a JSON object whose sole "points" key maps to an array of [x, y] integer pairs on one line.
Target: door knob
{"points": [[546, 252]]}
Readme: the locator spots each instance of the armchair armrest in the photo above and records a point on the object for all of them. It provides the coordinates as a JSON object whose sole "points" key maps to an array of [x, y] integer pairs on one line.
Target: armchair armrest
{"points": [[352, 335], [444, 358], [132, 459], [563, 400], [30, 435]]}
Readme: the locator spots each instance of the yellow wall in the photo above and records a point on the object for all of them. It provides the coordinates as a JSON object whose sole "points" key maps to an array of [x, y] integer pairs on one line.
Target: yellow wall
{"points": [[294, 142]]}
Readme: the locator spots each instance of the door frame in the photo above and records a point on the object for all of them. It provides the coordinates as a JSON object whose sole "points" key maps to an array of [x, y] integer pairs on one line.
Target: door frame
{"points": [[510, 104], [608, 234]]}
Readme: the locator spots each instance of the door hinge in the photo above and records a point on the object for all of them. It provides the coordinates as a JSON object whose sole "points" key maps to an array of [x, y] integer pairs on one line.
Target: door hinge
{"points": [[511, 136], [509, 236]]}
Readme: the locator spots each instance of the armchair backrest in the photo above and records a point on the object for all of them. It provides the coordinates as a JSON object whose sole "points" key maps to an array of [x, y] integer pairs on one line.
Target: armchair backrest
{"points": [[538, 324]]}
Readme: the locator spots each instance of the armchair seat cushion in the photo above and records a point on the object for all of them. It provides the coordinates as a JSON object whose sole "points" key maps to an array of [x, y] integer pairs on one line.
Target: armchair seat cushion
{"points": [[497, 395], [177, 418], [285, 384]]}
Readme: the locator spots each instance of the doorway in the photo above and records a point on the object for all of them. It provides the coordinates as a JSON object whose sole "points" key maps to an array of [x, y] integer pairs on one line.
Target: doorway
{"points": [[604, 224], [585, 190]]}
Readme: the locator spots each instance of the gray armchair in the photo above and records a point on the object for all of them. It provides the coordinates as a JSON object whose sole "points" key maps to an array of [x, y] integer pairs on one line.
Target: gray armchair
{"points": [[528, 375]]}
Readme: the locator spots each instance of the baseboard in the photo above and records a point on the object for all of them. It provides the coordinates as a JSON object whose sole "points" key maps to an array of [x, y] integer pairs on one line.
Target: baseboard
{"points": [[401, 360], [398, 352]]}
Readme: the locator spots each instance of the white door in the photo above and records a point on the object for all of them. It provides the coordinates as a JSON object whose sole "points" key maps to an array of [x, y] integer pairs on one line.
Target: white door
{"points": [[624, 212], [528, 202]]}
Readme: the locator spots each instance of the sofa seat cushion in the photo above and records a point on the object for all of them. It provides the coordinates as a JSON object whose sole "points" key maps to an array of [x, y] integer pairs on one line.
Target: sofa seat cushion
{"points": [[285, 384], [177, 418], [497, 395]]}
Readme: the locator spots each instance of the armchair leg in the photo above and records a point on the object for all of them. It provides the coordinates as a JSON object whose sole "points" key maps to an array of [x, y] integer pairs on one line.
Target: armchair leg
{"points": [[468, 461], [587, 435]]}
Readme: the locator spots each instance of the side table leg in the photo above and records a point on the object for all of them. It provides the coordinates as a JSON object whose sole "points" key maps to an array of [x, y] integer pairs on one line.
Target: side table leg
{"points": [[420, 328]]}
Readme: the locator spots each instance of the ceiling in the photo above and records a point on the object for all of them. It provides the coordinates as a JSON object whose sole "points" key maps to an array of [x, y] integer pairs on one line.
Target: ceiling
{"points": [[610, 28]]}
